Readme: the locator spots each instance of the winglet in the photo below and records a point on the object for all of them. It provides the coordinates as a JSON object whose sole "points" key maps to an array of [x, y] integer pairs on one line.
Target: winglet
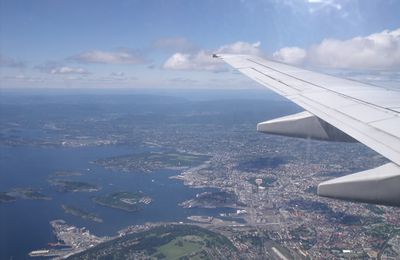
{"points": [[303, 125], [379, 186]]}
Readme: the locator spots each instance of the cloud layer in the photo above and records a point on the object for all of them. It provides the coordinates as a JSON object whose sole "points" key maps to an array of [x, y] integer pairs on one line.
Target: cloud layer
{"points": [[375, 58], [376, 51], [202, 60]]}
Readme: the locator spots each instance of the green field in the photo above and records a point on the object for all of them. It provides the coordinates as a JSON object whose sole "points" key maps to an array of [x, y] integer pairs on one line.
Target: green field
{"points": [[180, 247], [165, 242]]}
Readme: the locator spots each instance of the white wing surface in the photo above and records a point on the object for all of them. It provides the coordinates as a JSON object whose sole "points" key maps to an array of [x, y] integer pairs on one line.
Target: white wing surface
{"points": [[340, 110]]}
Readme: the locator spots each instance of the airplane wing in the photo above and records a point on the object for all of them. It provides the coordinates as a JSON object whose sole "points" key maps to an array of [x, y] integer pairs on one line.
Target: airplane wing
{"points": [[338, 110]]}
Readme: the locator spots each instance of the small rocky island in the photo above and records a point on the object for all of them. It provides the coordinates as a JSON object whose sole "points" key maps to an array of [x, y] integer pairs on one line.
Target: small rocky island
{"points": [[66, 174], [29, 193], [81, 213], [73, 186], [5, 197], [23, 193]]}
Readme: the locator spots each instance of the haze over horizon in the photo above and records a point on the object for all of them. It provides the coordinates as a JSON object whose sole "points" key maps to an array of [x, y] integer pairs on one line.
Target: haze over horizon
{"points": [[160, 44]]}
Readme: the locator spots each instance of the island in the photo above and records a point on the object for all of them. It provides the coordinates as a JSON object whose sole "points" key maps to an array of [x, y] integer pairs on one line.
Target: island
{"points": [[151, 161], [127, 201], [81, 213], [29, 193], [5, 197], [73, 186], [216, 199], [66, 173]]}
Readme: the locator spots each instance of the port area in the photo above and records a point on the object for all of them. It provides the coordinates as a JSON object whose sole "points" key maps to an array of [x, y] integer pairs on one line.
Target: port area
{"points": [[71, 239]]}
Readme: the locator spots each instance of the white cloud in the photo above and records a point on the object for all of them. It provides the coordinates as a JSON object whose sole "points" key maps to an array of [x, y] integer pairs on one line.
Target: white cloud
{"points": [[122, 56], [117, 74], [376, 51], [322, 4], [241, 48], [203, 60], [68, 70], [292, 55], [178, 61], [57, 68]]}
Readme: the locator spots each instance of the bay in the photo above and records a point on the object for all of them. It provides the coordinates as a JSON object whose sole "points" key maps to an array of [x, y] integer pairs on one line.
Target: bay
{"points": [[24, 224]]}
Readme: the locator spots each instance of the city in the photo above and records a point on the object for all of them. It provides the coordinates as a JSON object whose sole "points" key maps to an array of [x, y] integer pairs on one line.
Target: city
{"points": [[270, 182]]}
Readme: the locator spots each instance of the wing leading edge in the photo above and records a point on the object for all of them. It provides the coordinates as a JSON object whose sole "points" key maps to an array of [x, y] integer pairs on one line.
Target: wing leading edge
{"points": [[338, 110]]}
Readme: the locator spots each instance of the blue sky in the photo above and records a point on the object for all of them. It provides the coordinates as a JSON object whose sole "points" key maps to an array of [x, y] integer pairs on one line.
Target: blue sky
{"points": [[167, 44]]}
